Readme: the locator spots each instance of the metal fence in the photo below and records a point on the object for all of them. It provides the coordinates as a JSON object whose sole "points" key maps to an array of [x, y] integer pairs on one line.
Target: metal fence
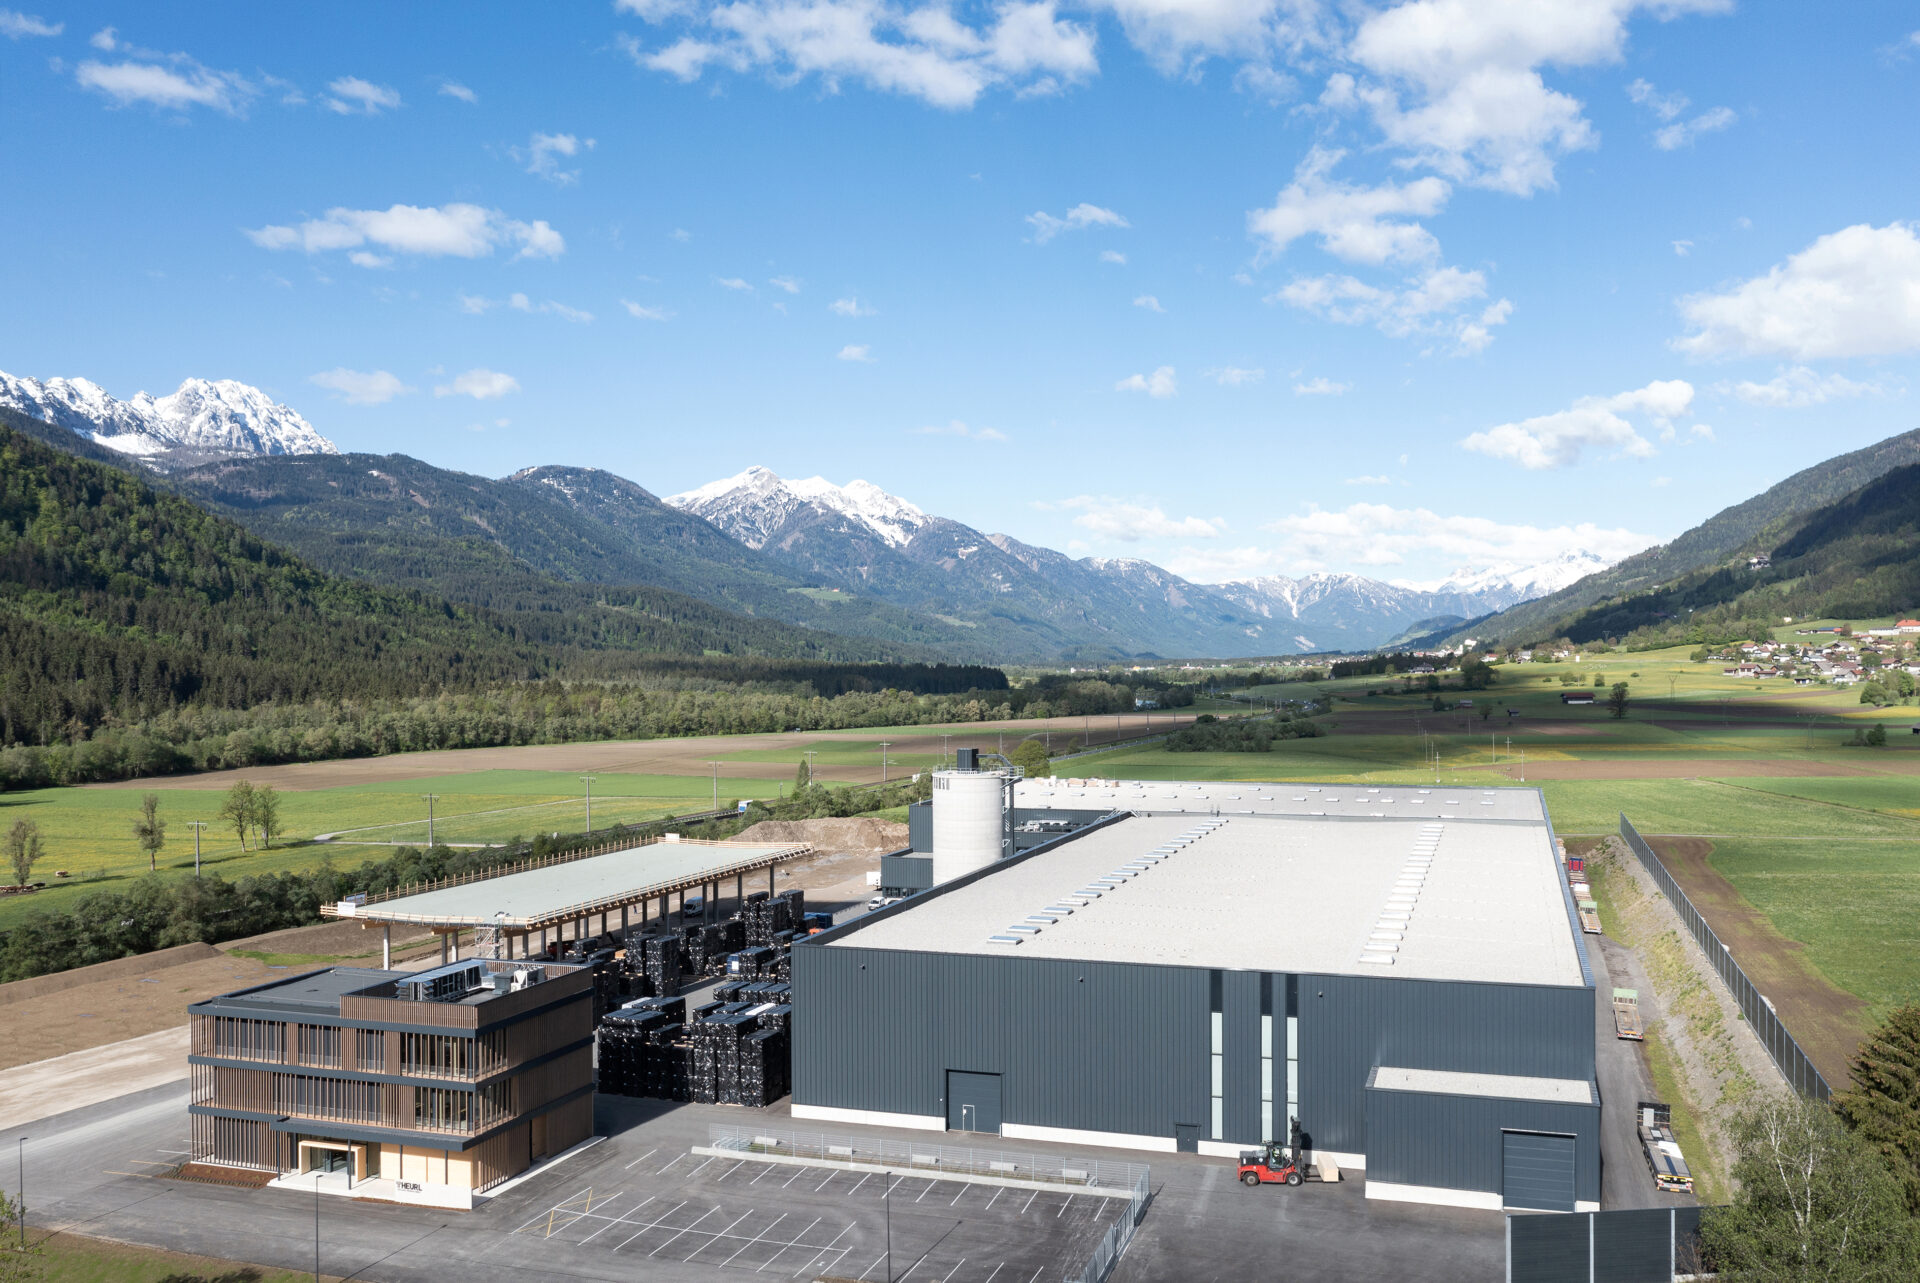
{"points": [[926, 1158], [1793, 1063], [1650, 1245]]}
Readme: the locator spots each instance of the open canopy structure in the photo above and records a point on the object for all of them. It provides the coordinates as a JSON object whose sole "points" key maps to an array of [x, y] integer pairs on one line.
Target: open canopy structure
{"points": [[549, 897]]}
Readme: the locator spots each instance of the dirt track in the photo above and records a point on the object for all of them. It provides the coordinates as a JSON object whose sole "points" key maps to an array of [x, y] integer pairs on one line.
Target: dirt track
{"points": [[1689, 768], [1827, 1022], [689, 756]]}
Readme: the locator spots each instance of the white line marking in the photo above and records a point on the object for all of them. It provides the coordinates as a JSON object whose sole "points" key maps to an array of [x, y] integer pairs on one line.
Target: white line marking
{"points": [[736, 1167], [1063, 1208], [696, 1171], [928, 1190], [856, 1188], [670, 1166], [955, 1270], [823, 1184], [791, 1179], [764, 1171], [1029, 1203], [644, 1228], [957, 1197], [618, 1220], [823, 1251], [684, 1228], [796, 1242], [1036, 1275], [713, 1238], [869, 1269], [996, 1272], [996, 1198], [755, 1239], [643, 1158]]}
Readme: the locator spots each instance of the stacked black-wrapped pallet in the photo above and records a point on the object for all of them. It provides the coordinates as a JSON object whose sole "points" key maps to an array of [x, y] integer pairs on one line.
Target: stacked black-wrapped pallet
{"points": [[663, 963], [765, 1065]]}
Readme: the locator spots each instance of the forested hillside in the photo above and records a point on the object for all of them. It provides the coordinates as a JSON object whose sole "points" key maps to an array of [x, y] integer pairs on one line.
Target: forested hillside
{"points": [[1708, 544], [121, 604], [543, 541], [1855, 559]]}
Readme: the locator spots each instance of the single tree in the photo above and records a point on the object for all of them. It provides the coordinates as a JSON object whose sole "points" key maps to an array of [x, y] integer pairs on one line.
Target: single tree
{"points": [[1883, 1106], [1031, 757], [1877, 736], [23, 849], [801, 777], [266, 813], [150, 831], [237, 810], [1617, 701], [1814, 1201]]}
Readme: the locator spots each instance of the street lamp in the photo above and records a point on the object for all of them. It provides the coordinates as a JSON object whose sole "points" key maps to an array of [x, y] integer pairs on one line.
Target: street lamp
{"points": [[22, 1150], [317, 1174]]}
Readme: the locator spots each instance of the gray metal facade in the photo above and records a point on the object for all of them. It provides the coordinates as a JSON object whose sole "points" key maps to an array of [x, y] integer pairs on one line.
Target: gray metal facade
{"points": [[1123, 1047], [1455, 1142]]}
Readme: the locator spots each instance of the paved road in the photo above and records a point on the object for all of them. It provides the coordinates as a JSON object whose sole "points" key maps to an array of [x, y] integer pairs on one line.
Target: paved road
{"points": [[657, 1213], [1624, 1081]]}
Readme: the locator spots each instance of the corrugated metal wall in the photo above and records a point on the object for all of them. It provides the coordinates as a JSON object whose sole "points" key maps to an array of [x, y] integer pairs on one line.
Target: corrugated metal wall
{"points": [[1350, 1024], [1455, 1141], [1122, 1047]]}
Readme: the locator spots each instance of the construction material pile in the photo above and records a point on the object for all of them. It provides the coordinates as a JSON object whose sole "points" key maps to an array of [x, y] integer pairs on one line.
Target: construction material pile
{"points": [[728, 1053]]}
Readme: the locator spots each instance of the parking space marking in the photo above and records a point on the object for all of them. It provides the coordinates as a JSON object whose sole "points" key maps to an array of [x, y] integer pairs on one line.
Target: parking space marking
{"points": [[755, 1239], [823, 1184], [670, 1166], [996, 1197], [717, 1237], [618, 1220], [696, 1171], [703, 1216], [730, 1171], [955, 1270], [823, 1251], [643, 1229], [856, 1188], [996, 1272], [928, 1190], [791, 1179], [871, 1268], [1029, 1203], [1063, 1207], [795, 1242], [962, 1194], [643, 1158]]}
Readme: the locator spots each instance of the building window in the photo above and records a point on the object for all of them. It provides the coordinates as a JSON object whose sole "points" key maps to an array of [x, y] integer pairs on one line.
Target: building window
{"points": [[1266, 1058], [442, 1109], [320, 1045], [371, 1045], [436, 1056], [1217, 1058], [238, 1039], [1293, 1051]]}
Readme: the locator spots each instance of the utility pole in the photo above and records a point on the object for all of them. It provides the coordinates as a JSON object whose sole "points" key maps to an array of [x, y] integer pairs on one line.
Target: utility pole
{"points": [[196, 826], [810, 753], [588, 781], [431, 797], [887, 1198], [23, 1193], [716, 784], [943, 749], [883, 760]]}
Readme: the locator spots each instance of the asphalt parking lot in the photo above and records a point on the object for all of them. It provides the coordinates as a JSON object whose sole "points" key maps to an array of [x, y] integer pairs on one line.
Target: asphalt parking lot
{"points": [[640, 1204]]}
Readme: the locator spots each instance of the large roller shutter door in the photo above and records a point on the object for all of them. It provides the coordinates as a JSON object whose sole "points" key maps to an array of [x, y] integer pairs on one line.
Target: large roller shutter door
{"points": [[973, 1102], [1538, 1171]]}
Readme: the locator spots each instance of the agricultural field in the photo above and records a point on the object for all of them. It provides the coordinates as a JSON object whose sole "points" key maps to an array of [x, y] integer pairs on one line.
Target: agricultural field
{"points": [[1804, 851], [88, 832]]}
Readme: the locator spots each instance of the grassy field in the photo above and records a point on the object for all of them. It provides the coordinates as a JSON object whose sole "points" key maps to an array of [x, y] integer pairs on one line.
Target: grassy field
{"points": [[66, 1258], [88, 832]]}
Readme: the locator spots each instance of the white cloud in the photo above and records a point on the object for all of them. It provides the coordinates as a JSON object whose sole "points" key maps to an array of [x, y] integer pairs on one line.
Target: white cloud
{"points": [[1046, 226], [480, 384], [1149, 302], [18, 26], [790, 284], [1233, 376], [1434, 305], [849, 307], [1159, 385], [365, 258], [733, 283], [1372, 534], [1557, 440], [352, 96], [1118, 519], [475, 304], [1113, 256], [856, 352], [1854, 292], [455, 230], [642, 312], [375, 387], [1177, 35], [1675, 132], [1702, 431], [521, 303], [106, 40], [542, 154], [176, 82], [1800, 387], [1683, 248], [1457, 83], [1320, 386], [955, 428], [925, 52], [454, 89], [1382, 480], [1350, 221]]}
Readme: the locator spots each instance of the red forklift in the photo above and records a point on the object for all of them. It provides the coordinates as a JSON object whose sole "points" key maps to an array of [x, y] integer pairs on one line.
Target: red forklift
{"points": [[1278, 1164]]}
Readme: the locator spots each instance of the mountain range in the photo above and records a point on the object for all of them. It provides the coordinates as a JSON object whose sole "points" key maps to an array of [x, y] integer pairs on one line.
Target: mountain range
{"points": [[852, 561]]}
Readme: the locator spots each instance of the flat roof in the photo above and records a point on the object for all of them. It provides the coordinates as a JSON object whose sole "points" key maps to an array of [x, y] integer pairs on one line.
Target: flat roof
{"points": [[558, 892], [317, 991], [1250, 797], [1435, 899], [1446, 1082]]}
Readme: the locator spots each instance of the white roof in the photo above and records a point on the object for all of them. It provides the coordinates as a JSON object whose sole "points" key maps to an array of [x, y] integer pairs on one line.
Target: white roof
{"points": [[1454, 899], [1446, 1082], [1272, 798]]}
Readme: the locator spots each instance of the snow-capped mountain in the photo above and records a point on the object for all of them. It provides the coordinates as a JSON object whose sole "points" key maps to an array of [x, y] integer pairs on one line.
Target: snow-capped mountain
{"points": [[1508, 583], [215, 417], [755, 504]]}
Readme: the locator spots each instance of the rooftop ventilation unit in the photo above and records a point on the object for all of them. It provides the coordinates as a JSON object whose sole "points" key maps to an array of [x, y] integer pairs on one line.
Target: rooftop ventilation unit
{"points": [[443, 984]]}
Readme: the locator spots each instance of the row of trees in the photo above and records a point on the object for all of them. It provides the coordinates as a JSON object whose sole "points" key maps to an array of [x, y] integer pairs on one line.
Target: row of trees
{"points": [[1207, 734], [158, 911]]}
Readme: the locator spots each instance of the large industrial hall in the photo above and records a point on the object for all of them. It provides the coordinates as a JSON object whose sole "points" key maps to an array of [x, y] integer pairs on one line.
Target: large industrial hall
{"points": [[1192, 966]]}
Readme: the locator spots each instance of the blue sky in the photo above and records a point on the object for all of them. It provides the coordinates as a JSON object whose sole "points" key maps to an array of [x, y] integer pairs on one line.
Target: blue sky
{"points": [[1239, 286]]}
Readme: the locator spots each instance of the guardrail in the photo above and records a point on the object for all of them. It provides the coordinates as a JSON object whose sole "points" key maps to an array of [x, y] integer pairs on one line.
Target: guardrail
{"points": [[1792, 1062], [925, 1157]]}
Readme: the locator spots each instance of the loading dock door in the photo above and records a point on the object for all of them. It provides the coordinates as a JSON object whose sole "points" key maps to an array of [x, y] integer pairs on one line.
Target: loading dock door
{"points": [[973, 1102], [1537, 1171]]}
